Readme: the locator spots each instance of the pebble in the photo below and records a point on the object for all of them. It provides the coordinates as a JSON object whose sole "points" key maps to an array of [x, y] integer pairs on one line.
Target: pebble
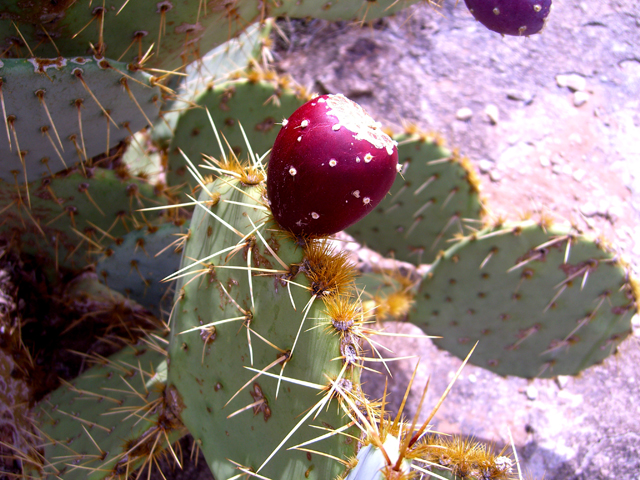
{"points": [[544, 161], [464, 114], [579, 175], [520, 96], [532, 392], [492, 112], [560, 169], [580, 98], [485, 166], [495, 176], [575, 82], [562, 381]]}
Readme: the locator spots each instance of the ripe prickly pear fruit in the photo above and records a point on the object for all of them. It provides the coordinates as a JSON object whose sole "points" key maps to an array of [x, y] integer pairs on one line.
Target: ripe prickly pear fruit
{"points": [[511, 17], [330, 165]]}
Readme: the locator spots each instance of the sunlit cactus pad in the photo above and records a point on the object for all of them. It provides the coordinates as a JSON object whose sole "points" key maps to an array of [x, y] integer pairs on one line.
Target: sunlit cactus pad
{"points": [[63, 111], [258, 102], [111, 420], [540, 300], [436, 191], [228, 319]]}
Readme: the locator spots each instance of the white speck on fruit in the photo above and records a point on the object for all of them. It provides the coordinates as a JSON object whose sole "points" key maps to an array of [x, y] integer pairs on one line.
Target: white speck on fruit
{"points": [[357, 159], [496, 11], [300, 138], [366, 200], [321, 100], [285, 122], [333, 162], [537, 7], [356, 193], [522, 29], [304, 123], [353, 117], [314, 215], [368, 157], [292, 171], [336, 127]]}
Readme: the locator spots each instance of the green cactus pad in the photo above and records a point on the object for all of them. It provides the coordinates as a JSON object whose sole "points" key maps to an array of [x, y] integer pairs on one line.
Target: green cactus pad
{"points": [[56, 111], [436, 190], [259, 103], [111, 419], [167, 33], [72, 215], [135, 265], [219, 65], [209, 364], [540, 300]]}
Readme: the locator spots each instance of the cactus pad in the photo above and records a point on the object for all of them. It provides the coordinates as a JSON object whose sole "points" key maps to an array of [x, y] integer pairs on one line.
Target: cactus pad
{"points": [[436, 190], [164, 34], [56, 112], [542, 301], [112, 419], [72, 215], [228, 319], [257, 103], [136, 264]]}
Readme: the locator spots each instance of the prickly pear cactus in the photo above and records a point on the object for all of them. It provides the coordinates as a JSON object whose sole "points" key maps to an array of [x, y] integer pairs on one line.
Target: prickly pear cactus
{"points": [[256, 103], [117, 417], [165, 34], [136, 264], [67, 218], [264, 341], [540, 299], [66, 111], [435, 191]]}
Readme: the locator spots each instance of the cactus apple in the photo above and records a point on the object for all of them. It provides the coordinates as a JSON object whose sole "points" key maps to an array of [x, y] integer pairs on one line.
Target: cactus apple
{"points": [[330, 165], [511, 17]]}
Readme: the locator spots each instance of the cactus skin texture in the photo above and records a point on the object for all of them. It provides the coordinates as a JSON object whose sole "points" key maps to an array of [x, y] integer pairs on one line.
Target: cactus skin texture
{"points": [[136, 264], [437, 188], [210, 353], [57, 112], [111, 420], [257, 101], [72, 213], [540, 299]]}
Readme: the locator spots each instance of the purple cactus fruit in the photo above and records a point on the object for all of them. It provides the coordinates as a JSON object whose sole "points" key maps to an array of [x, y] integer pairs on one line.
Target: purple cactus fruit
{"points": [[511, 17], [330, 165]]}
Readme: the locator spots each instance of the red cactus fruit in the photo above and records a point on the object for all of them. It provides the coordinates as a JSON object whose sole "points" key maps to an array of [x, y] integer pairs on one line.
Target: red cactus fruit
{"points": [[511, 17], [330, 165]]}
